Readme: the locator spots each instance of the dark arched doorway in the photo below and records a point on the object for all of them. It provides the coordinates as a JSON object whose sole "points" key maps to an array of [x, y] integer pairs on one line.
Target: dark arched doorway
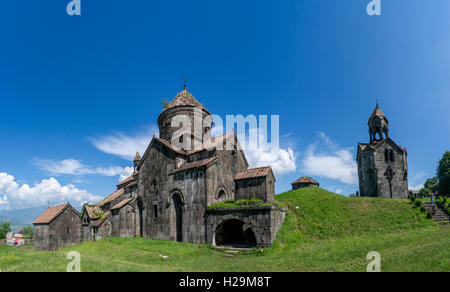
{"points": [[141, 218], [235, 233], [178, 205]]}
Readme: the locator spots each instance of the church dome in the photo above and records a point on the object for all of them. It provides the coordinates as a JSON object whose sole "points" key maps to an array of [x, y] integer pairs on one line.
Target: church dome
{"points": [[184, 98]]}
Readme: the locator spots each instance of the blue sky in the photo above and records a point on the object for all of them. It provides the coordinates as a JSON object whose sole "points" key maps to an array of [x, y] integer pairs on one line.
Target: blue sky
{"points": [[75, 89]]}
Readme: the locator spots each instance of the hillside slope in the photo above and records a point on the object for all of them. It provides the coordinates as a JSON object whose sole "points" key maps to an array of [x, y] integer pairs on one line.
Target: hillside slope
{"points": [[315, 213], [322, 232]]}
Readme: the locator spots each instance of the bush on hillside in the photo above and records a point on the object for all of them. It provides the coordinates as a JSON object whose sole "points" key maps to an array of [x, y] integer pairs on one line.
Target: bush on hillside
{"points": [[418, 203]]}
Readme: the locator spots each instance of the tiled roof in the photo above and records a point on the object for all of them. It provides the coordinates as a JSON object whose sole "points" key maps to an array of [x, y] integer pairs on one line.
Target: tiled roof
{"points": [[184, 98], [111, 197], [121, 204], [253, 173], [134, 183], [93, 211], [377, 113], [215, 141], [127, 180], [170, 146], [51, 213], [100, 221], [196, 164], [305, 179]]}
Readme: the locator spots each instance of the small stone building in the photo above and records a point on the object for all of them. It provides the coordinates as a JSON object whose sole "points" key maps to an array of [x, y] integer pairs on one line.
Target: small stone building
{"points": [[382, 164], [57, 227], [304, 182]]}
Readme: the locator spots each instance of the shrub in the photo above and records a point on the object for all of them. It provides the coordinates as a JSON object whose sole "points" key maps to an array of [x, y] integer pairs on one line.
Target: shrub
{"points": [[413, 199], [423, 209], [429, 215], [418, 203]]}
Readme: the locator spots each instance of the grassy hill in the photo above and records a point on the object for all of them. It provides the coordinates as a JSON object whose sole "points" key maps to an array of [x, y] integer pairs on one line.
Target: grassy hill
{"points": [[323, 231]]}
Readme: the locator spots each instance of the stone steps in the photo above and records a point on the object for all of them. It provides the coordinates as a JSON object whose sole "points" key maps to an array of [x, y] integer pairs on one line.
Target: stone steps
{"points": [[230, 251], [438, 214]]}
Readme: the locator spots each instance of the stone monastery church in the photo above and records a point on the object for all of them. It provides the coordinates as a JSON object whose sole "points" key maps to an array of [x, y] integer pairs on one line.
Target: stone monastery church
{"points": [[169, 195]]}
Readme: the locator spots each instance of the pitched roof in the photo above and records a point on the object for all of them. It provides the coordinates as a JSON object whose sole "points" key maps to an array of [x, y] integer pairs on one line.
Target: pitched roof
{"points": [[213, 143], [111, 197], [93, 211], [170, 146], [100, 221], [196, 164], [184, 98], [377, 113], [121, 204], [253, 173], [127, 180], [51, 213], [375, 144], [306, 179]]}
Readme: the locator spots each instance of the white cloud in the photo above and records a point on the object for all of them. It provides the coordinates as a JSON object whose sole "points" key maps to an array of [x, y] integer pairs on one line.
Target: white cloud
{"points": [[416, 187], [339, 192], [281, 160], [126, 173], [76, 167], [332, 162], [123, 145], [13, 196]]}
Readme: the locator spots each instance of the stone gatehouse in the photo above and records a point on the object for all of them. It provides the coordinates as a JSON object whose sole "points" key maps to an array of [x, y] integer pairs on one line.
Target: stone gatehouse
{"points": [[168, 195]]}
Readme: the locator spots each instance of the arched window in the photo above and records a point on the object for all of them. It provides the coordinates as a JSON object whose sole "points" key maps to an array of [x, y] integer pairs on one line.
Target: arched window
{"points": [[386, 155], [391, 154], [222, 194]]}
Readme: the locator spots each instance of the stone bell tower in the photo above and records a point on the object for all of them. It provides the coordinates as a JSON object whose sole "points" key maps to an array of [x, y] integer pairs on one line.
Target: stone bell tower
{"points": [[382, 164]]}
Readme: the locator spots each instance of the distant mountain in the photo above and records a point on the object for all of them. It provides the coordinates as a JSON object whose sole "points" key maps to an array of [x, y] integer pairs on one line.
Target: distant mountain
{"points": [[24, 216]]}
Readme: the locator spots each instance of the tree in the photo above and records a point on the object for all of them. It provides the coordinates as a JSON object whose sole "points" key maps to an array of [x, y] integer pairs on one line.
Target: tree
{"points": [[424, 193], [443, 174], [5, 227], [27, 232], [429, 183]]}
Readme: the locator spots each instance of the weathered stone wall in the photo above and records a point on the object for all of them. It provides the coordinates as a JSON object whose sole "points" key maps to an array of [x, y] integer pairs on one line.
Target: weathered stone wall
{"points": [[167, 131], [64, 231], [263, 221], [373, 165], [104, 230], [158, 185], [252, 188], [297, 186], [124, 222], [367, 174], [399, 183], [41, 236]]}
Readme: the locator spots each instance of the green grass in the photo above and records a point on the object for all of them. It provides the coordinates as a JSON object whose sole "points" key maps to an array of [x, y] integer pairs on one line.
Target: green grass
{"points": [[251, 203], [325, 232]]}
